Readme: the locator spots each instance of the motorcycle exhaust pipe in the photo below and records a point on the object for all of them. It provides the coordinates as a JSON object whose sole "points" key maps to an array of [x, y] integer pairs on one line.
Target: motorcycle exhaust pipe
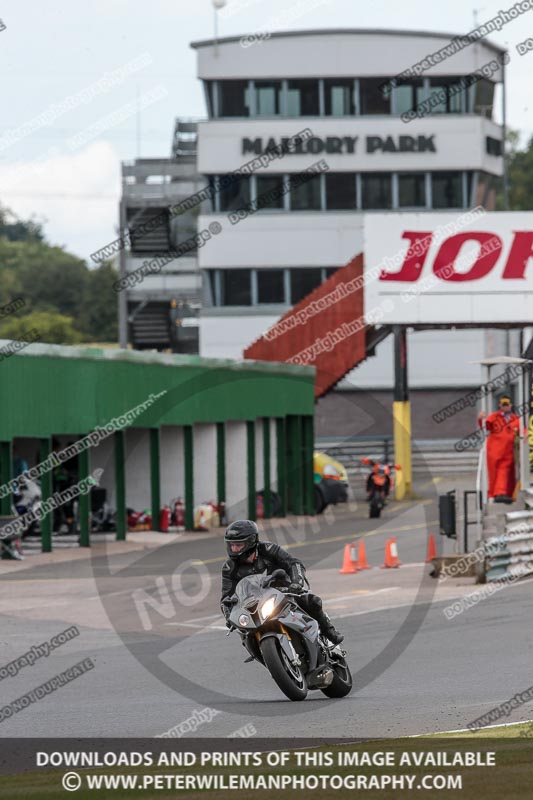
{"points": [[325, 677]]}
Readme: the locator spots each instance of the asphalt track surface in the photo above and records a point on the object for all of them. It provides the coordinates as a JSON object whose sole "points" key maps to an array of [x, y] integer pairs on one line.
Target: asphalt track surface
{"points": [[414, 670]]}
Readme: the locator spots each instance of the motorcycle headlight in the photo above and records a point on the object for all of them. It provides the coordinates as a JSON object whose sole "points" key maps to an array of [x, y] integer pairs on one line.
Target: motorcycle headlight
{"points": [[244, 619], [268, 607]]}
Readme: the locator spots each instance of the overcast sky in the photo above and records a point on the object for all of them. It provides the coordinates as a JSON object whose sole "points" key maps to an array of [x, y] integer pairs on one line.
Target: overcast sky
{"points": [[68, 175]]}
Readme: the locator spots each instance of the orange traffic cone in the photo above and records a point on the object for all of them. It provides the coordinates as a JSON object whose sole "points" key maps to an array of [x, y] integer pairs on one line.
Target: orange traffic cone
{"points": [[432, 550], [387, 564], [362, 563], [394, 552], [348, 563], [391, 555]]}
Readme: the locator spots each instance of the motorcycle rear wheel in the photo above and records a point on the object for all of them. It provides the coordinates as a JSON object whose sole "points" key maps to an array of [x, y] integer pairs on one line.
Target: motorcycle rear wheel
{"points": [[288, 677]]}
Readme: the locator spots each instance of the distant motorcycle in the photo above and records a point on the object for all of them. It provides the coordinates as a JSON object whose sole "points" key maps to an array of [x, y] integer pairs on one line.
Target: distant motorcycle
{"points": [[284, 639], [378, 485]]}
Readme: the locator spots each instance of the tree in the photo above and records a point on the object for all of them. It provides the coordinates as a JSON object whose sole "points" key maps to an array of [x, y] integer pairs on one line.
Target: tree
{"points": [[17, 230], [98, 316], [46, 326], [519, 173], [49, 278], [54, 282]]}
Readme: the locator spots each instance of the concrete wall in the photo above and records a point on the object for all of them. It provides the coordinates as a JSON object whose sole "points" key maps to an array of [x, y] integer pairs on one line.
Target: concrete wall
{"points": [[102, 457], [337, 53], [205, 463], [171, 463], [236, 489], [220, 143], [360, 413], [439, 358], [138, 469], [228, 336], [307, 238]]}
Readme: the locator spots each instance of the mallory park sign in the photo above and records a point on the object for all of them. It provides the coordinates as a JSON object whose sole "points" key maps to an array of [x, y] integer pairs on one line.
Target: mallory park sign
{"points": [[340, 144]]}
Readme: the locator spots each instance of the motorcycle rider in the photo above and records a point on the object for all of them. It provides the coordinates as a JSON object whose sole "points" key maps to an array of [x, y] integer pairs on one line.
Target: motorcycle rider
{"points": [[249, 556]]}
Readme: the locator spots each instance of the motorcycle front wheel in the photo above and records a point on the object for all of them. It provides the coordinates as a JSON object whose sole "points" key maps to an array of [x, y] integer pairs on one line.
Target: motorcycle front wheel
{"points": [[289, 677], [375, 509]]}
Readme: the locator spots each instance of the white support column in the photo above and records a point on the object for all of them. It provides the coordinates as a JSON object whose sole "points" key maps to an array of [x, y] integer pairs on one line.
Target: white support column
{"points": [[172, 468], [205, 463], [137, 468], [236, 472]]}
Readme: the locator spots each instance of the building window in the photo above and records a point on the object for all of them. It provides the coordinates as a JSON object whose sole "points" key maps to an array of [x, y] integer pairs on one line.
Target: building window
{"points": [[304, 281], [212, 185], [209, 89], [407, 95], [340, 191], [210, 287], [493, 146], [447, 190], [469, 189], [377, 190], [484, 98], [233, 192], [233, 99], [302, 98], [372, 98], [236, 287], [269, 191], [183, 226], [339, 95], [447, 94], [268, 98], [412, 190], [270, 286], [305, 196]]}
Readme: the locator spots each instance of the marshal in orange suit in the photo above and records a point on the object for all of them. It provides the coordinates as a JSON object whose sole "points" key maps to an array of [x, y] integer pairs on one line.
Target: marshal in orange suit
{"points": [[503, 427]]}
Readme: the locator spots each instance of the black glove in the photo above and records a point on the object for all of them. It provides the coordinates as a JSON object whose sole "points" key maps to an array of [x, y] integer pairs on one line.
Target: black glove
{"points": [[225, 607], [296, 588], [297, 578]]}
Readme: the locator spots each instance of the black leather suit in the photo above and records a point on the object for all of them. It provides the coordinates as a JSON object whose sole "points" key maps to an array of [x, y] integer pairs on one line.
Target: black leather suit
{"points": [[270, 557]]}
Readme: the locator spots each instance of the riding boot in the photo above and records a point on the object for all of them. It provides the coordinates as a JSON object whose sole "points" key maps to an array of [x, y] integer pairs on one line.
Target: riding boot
{"points": [[327, 628]]}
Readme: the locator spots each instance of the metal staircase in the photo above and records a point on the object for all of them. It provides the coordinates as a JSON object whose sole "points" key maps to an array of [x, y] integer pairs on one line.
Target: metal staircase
{"points": [[326, 330], [149, 326]]}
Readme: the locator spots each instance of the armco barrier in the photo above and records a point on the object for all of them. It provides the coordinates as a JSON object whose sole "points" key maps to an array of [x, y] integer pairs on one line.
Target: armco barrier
{"points": [[513, 550], [437, 455]]}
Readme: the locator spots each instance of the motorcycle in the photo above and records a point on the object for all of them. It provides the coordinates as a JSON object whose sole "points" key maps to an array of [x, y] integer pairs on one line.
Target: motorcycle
{"points": [[278, 634], [378, 485]]}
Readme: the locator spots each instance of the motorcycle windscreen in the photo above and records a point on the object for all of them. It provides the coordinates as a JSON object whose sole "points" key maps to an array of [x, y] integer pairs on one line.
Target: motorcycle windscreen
{"points": [[251, 586]]}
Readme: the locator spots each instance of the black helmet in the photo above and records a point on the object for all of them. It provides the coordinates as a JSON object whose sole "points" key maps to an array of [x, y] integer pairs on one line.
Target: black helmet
{"points": [[241, 538]]}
